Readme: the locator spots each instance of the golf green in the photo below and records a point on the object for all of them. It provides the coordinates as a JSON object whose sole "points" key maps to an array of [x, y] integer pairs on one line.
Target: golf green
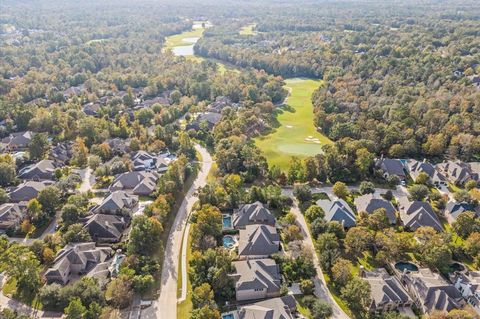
{"points": [[297, 135]]}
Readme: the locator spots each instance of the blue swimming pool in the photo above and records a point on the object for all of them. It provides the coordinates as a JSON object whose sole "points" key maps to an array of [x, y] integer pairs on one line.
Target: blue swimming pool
{"points": [[227, 222], [228, 316], [228, 241], [406, 266]]}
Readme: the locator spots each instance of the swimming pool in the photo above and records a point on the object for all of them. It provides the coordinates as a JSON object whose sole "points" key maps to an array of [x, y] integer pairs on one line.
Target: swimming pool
{"points": [[228, 316], [406, 266], [228, 241], [227, 222]]}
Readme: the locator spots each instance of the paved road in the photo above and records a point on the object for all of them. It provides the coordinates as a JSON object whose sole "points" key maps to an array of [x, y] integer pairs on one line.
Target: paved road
{"points": [[87, 179], [166, 305], [321, 290]]}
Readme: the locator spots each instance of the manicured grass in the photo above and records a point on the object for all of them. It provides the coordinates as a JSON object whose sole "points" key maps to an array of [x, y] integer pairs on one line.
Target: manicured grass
{"points": [[185, 307], [178, 40], [336, 296], [296, 124], [302, 309], [248, 30]]}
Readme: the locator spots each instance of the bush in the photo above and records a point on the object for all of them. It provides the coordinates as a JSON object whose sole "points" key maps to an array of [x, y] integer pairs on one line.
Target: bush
{"points": [[366, 188], [302, 193], [307, 287]]}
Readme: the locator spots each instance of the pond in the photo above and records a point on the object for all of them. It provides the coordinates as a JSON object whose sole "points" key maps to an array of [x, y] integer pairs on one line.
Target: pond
{"points": [[406, 266], [228, 241]]}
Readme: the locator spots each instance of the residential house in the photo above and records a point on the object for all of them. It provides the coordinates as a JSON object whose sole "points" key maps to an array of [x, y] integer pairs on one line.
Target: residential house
{"points": [[142, 183], [92, 109], [145, 161], [458, 172], [73, 91], [387, 293], [454, 209], [209, 118], [61, 153], [156, 100], [391, 167], [43, 170], [11, 215], [220, 103], [119, 146], [431, 292], [468, 283], [256, 279], [118, 202], [417, 214], [106, 228], [416, 167], [338, 210], [258, 241], [276, 308], [16, 141], [250, 214], [370, 203], [27, 190], [75, 260]]}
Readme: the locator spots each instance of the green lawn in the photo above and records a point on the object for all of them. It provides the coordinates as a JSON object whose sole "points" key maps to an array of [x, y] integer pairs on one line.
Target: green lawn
{"points": [[185, 307], [248, 30], [296, 125], [178, 40]]}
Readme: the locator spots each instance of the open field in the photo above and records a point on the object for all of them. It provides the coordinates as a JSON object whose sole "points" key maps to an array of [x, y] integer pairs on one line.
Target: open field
{"points": [[181, 39], [297, 135], [248, 30]]}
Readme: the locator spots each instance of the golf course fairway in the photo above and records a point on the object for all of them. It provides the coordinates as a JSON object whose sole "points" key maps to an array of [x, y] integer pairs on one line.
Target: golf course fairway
{"points": [[297, 136]]}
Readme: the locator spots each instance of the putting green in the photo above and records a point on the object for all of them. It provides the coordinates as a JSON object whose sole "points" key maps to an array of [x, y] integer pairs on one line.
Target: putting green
{"points": [[297, 135]]}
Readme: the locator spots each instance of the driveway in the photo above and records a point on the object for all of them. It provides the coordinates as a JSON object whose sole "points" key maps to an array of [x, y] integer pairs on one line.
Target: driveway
{"points": [[87, 179], [321, 289], [165, 307]]}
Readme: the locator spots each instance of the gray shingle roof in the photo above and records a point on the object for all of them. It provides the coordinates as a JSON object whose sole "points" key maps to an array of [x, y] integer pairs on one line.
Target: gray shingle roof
{"points": [[255, 213], [275, 308], [338, 210], [141, 182], [385, 288], [28, 190], [11, 214], [258, 240], [42, 170], [392, 167], [455, 209], [417, 214], [117, 201], [370, 203], [106, 227], [257, 274], [416, 167]]}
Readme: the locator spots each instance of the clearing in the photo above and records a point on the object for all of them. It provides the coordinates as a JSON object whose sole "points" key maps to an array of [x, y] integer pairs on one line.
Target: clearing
{"points": [[296, 135]]}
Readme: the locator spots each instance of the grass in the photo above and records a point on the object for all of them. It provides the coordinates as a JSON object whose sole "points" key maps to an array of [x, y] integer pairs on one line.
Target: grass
{"points": [[185, 307], [296, 124], [248, 30], [10, 290], [178, 40], [302, 308], [336, 296]]}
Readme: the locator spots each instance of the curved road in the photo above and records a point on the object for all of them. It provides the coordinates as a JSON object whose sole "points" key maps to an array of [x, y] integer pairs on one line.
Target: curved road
{"points": [[165, 307]]}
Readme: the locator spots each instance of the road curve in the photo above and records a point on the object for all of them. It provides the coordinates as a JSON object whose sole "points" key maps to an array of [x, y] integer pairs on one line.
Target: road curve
{"points": [[165, 307], [321, 289]]}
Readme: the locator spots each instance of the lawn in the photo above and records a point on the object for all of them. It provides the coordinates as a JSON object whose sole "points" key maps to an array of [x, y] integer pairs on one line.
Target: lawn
{"points": [[10, 290], [248, 30], [296, 135], [185, 307], [178, 40]]}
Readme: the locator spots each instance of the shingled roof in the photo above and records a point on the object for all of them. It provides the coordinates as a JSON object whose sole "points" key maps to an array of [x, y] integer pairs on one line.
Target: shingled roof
{"points": [[258, 240], [249, 214]]}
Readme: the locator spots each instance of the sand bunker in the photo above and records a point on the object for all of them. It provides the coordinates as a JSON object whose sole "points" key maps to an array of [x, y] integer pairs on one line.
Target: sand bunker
{"points": [[288, 126], [312, 139]]}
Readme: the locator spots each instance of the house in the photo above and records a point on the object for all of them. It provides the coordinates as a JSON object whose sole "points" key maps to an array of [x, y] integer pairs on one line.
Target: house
{"points": [[249, 214], [157, 100], [92, 109], [142, 183], [391, 167], [11, 215], [106, 228], [73, 91], [258, 241], [454, 208], [143, 161], [457, 172], [416, 167], [61, 153], [431, 292], [338, 210], [220, 103], [468, 283], [209, 118], [118, 202], [43, 170], [370, 203], [276, 308], [387, 293], [27, 190], [256, 279], [16, 141], [418, 214], [119, 146], [74, 260]]}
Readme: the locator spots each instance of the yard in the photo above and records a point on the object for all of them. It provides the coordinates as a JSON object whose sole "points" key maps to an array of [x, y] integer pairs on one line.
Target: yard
{"points": [[297, 134]]}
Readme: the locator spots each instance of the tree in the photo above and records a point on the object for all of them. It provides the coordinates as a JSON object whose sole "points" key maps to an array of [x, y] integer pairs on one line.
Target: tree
{"points": [[27, 227], [38, 146], [307, 286], [472, 244], [341, 272], [366, 188], [340, 190], [24, 267], [314, 212], [302, 193], [358, 240], [94, 161], [418, 192], [3, 196], [207, 223], [356, 294], [80, 153], [49, 198], [422, 179], [328, 249], [75, 233], [94, 311], [364, 161], [321, 310], [291, 233], [75, 309], [202, 296], [70, 215], [145, 116], [206, 312], [378, 220], [144, 236], [7, 174], [119, 292], [470, 184], [466, 224]]}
